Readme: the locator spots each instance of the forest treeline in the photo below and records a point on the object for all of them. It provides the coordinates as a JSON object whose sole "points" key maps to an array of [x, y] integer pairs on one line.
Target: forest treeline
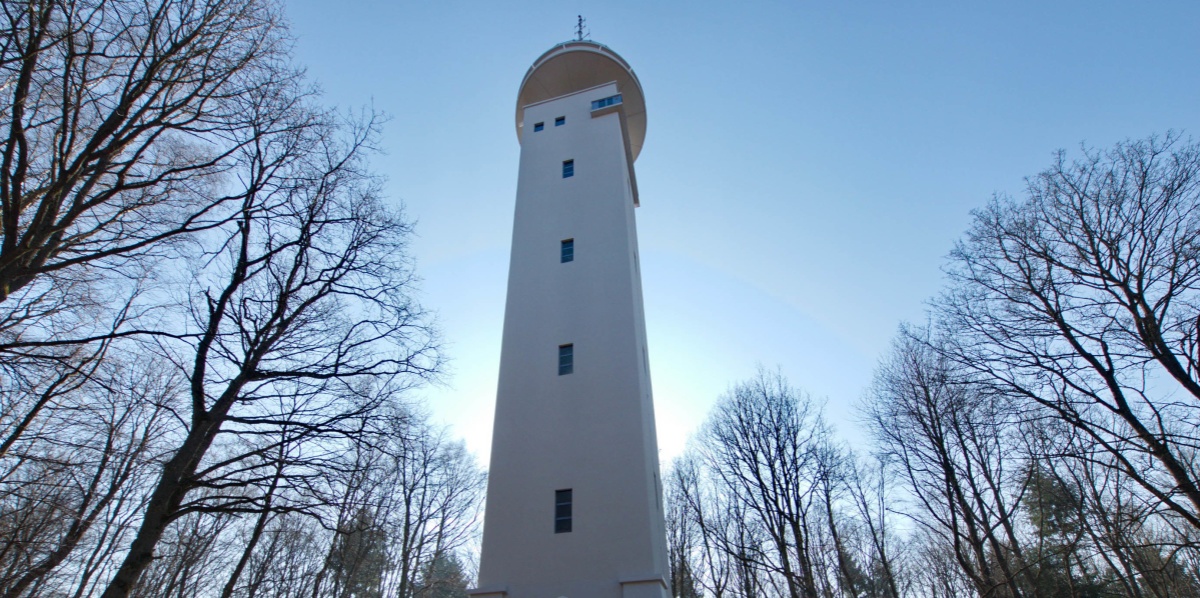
{"points": [[208, 337], [209, 343], [1037, 437]]}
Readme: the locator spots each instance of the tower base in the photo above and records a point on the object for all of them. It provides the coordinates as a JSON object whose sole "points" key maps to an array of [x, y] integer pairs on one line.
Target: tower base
{"points": [[644, 587], [633, 587]]}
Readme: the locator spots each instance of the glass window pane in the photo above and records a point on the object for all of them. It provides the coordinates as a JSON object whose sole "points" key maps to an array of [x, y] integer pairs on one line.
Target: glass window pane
{"points": [[606, 102], [566, 363], [562, 511]]}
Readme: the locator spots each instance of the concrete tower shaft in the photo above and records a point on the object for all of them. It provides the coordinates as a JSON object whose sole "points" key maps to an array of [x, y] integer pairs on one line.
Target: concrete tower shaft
{"points": [[574, 505]]}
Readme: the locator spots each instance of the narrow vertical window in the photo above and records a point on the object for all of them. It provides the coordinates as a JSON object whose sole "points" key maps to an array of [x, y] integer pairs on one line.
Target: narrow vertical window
{"points": [[566, 359], [560, 121], [538, 127], [562, 511], [568, 168], [568, 251]]}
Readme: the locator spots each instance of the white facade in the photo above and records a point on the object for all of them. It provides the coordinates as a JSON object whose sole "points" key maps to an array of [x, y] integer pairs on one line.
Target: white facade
{"points": [[590, 431]]}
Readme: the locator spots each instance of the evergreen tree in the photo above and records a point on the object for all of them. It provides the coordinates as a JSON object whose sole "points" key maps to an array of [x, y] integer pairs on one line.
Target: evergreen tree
{"points": [[445, 578], [1054, 509], [359, 559]]}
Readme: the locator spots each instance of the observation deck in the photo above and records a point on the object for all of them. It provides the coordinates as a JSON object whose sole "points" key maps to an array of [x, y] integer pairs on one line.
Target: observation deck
{"points": [[582, 64]]}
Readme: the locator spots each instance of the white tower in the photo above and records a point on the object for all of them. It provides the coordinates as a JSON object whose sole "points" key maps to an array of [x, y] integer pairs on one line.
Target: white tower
{"points": [[574, 505]]}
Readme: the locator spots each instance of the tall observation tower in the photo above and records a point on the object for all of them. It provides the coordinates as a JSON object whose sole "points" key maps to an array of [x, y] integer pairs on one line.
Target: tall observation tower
{"points": [[574, 505]]}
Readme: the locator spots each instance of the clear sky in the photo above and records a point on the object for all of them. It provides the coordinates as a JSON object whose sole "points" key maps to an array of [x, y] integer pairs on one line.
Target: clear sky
{"points": [[807, 166]]}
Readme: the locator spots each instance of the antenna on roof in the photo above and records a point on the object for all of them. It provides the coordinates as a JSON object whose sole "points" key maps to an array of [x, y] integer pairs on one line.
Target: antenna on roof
{"points": [[581, 30]]}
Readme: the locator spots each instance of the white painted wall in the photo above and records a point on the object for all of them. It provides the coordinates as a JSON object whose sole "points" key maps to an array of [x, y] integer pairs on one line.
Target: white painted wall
{"points": [[592, 430]]}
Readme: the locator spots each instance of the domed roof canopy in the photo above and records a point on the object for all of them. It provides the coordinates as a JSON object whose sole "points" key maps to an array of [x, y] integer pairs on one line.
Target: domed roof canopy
{"points": [[577, 65]]}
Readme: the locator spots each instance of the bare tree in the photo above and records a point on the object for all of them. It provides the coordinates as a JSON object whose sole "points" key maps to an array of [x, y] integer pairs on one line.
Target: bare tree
{"points": [[765, 503], [684, 536], [171, 192], [80, 469], [869, 487], [288, 561], [695, 503], [191, 549], [1039, 435], [129, 127], [435, 495], [121, 117], [1083, 299], [301, 319], [268, 509], [1090, 517], [405, 509], [763, 443], [953, 445]]}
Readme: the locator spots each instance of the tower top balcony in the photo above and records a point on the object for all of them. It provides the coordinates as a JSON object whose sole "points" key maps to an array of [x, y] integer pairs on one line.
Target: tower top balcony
{"points": [[578, 65]]}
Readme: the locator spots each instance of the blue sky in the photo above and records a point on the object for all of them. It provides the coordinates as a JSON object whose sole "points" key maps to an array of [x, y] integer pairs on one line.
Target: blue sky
{"points": [[807, 165]]}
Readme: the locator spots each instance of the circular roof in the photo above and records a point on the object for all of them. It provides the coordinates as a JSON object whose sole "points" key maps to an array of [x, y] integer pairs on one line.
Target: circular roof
{"points": [[577, 65]]}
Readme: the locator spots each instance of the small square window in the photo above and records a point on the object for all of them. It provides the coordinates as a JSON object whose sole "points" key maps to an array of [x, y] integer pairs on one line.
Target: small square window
{"points": [[566, 359], [568, 168], [538, 127], [560, 121], [568, 251], [562, 511]]}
